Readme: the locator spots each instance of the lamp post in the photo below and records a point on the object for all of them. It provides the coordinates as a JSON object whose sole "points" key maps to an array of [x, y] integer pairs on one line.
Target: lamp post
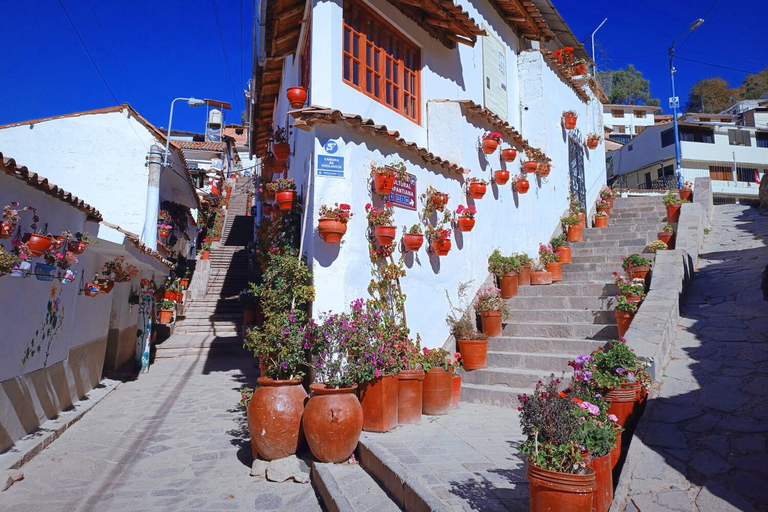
{"points": [[192, 102], [594, 62], [674, 101]]}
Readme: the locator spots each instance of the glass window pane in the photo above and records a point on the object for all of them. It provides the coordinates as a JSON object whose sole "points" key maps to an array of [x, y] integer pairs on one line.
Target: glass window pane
{"points": [[356, 46], [368, 81], [395, 95], [395, 71], [355, 73], [346, 67], [389, 94], [346, 39]]}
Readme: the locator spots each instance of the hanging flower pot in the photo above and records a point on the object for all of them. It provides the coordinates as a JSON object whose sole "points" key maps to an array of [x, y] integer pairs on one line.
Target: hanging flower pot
{"points": [[522, 186], [384, 234], [333, 422], [440, 199], [623, 319], [164, 316], [76, 247], [508, 285], [543, 170], [673, 213], [569, 121], [38, 244], [44, 272], [490, 322], [556, 269], [466, 223], [413, 241], [549, 490], [383, 183], [274, 417], [477, 189], [541, 277], [601, 221], [508, 154], [285, 199], [593, 143], [331, 230], [686, 193], [575, 233], [474, 352], [297, 96], [106, 285], [379, 401], [437, 391], [91, 289], [6, 229], [409, 396], [579, 69], [564, 252], [441, 247], [501, 177], [163, 232], [530, 166], [281, 150], [490, 145], [524, 279]]}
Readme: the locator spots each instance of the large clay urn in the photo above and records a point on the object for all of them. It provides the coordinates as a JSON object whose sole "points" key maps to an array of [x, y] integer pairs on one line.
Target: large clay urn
{"points": [[333, 422], [379, 401], [274, 417], [437, 391], [410, 385], [550, 491]]}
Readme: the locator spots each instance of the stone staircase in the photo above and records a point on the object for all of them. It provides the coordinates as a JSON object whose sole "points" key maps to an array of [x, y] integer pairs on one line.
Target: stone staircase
{"points": [[550, 325]]}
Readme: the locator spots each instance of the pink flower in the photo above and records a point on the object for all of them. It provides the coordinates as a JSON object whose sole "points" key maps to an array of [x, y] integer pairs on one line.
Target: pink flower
{"points": [[613, 418]]}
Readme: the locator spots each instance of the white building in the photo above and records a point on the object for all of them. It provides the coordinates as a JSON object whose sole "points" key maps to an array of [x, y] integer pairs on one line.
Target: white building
{"points": [[390, 81], [628, 121]]}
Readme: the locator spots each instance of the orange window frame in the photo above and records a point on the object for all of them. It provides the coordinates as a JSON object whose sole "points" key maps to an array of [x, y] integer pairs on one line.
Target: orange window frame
{"points": [[379, 61]]}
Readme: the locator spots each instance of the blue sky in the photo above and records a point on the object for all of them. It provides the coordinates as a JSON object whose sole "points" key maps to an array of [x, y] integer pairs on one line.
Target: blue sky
{"points": [[168, 49]]}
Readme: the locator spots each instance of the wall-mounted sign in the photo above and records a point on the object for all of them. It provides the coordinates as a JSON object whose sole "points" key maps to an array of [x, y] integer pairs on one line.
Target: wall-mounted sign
{"points": [[330, 162], [404, 193], [495, 75]]}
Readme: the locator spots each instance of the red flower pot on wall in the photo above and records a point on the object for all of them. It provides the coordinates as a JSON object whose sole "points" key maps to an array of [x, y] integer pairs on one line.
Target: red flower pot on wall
{"points": [[409, 396], [477, 190], [281, 150], [383, 183], [38, 244], [501, 177], [473, 353], [466, 224], [522, 187], [384, 234], [274, 417], [331, 230], [508, 154], [413, 241], [530, 166], [569, 122], [297, 96], [440, 199], [285, 199], [437, 391], [6, 229], [489, 146], [441, 247], [592, 143], [379, 401]]}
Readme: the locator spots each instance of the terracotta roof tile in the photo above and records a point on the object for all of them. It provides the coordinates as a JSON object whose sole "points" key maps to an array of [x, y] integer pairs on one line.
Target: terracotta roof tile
{"points": [[443, 20], [201, 146], [506, 129]]}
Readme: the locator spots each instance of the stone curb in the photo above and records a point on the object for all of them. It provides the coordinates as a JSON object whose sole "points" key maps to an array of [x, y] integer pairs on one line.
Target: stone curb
{"points": [[32, 444], [329, 489]]}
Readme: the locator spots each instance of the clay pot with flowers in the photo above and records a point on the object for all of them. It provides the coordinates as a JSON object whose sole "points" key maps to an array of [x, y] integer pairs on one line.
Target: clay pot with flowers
{"points": [[490, 142], [472, 345], [410, 384], [573, 226], [632, 289], [559, 244], [384, 176], [666, 235], [501, 177], [673, 205], [524, 278], [607, 195], [593, 140], [380, 218], [205, 249], [507, 270], [569, 119], [284, 191], [165, 310], [439, 236], [280, 146], [434, 201], [413, 239], [476, 187], [687, 191], [636, 266], [625, 312], [10, 218], [465, 217], [79, 243], [491, 307], [539, 273], [521, 184], [508, 154], [438, 381], [601, 220], [602, 206], [333, 222], [549, 257]]}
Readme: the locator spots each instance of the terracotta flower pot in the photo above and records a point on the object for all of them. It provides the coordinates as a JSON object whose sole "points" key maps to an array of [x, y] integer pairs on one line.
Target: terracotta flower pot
{"points": [[163, 232], [76, 247], [530, 166], [281, 150], [437, 391], [466, 223], [6, 229], [622, 403], [556, 269], [185, 282], [604, 209], [441, 247], [550, 491], [383, 183], [543, 170], [673, 213], [169, 295], [638, 272], [508, 154], [508, 285], [333, 422], [524, 279], [564, 251], [604, 480], [569, 122], [379, 401], [274, 417], [38, 244], [579, 69], [501, 177], [665, 236], [440, 199], [106, 285], [92, 290], [474, 352], [634, 298], [413, 241], [592, 143], [575, 233], [601, 222], [685, 193], [409, 396], [456, 391], [489, 146], [582, 219], [490, 322], [522, 186], [164, 316], [331, 230], [616, 452], [623, 319], [539, 278], [477, 190], [384, 234], [297, 96], [204, 255], [285, 199]]}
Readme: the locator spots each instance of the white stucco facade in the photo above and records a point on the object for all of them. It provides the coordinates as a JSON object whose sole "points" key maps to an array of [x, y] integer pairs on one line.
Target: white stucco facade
{"points": [[628, 120]]}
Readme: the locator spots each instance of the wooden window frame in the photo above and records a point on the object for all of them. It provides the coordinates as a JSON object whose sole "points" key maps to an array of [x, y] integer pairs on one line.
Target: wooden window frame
{"points": [[617, 113], [640, 114], [405, 48]]}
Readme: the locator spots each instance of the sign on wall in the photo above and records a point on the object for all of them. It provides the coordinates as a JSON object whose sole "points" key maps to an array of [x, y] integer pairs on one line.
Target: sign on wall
{"points": [[404, 193], [330, 159], [495, 75]]}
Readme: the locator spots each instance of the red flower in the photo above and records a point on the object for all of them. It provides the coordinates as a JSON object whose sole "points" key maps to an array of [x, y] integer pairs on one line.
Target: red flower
{"points": [[367, 206], [389, 205]]}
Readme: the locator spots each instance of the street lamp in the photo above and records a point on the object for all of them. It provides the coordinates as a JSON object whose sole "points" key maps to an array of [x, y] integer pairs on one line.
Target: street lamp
{"points": [[192, 102], [594, 62], [674, 101]]}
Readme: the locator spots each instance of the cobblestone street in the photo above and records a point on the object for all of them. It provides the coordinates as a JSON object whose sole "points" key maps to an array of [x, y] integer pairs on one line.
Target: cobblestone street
{"points": [[172, 440], [704, 446]]}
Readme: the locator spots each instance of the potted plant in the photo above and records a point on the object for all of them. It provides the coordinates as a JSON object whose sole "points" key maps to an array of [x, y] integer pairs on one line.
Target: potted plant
{"points": [[636, 266], [280, 147], [78, 245], [544, 168], [438, 381], [465, 217], [490, 142], [185, 280], [562, 250], [656, 246], [205, 249], [506, 269], [520, 181], [440, 238], [8, 262], [491, 307], [384, 176], [476, 187], [249, 300], [508, 154], [666, 234], [524, 279], [163, 230], [165, 310], [383, 226], [578, 210], [297, 96], [64, 261], [456, 381], [118, 271], [413, 238], [9, 219], [534, 156], [333, 222], [687, 191], [601, 220], [633, 290], [539, 274], [603, 205], [549, 257], [569, 119], [265, 192], [673, 205], [434, 201], [625, 312], [501, 177], [471, 343], [593, 140], [573, 224], [606, 193], [410, 384], [284, 190]]}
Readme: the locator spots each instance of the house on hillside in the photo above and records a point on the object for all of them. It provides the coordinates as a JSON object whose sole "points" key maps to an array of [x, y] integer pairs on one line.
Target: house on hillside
{"points": [[419, 84], [628, 121]]}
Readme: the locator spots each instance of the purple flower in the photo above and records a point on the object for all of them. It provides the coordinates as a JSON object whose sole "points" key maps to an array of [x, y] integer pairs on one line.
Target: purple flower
{"points": [[619, 370]]}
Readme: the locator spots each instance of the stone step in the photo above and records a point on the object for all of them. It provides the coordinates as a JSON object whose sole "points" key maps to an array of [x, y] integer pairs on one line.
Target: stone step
{"points": [[350, 488], [607, 244], [234, 316], [605, 266], [546, 362], [579, 251], [563, 303], [565, 289], [580, 276], [581, 330], [518, 378], [501, 396], [550, 316], [573, 346], [599, 258]]}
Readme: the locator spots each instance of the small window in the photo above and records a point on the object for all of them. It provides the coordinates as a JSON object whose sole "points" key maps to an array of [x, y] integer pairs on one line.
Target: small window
{"points": [[639, 129], [688, 134], [746, 174], [667, 138], [629, 148], [761, 139], [720, 173], [660, 173], [739, 138], [620, 129], [640, 114], [617, 113]]}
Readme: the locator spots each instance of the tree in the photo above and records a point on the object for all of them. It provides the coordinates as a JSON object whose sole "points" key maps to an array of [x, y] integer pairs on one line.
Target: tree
{"points": [[628, 87], [754, 86], [710, 95]]}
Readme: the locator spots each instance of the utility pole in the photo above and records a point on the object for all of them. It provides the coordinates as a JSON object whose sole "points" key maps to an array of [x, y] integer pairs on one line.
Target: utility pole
{"points": [[155, 165]]}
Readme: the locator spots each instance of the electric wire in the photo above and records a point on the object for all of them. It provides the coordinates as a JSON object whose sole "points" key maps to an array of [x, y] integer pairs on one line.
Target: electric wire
{"points": [[224, 51], [723, 57], [716, 65]]}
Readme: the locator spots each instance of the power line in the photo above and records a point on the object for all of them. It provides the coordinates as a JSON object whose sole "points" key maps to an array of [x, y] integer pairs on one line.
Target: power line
{"points": [[717, 65], [704, 17], [723, 57], [224, 51]]}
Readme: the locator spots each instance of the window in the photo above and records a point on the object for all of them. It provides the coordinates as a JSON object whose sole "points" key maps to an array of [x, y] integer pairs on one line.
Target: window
{"points": [[629, 148], [379, 61], [640, 114], [720, 172], [761, 139], [617, 113], [739, 138], [620, 129], [746, 174], [725, 173], [660, 173], [639, 129], [688, 134], [667, 138]]}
